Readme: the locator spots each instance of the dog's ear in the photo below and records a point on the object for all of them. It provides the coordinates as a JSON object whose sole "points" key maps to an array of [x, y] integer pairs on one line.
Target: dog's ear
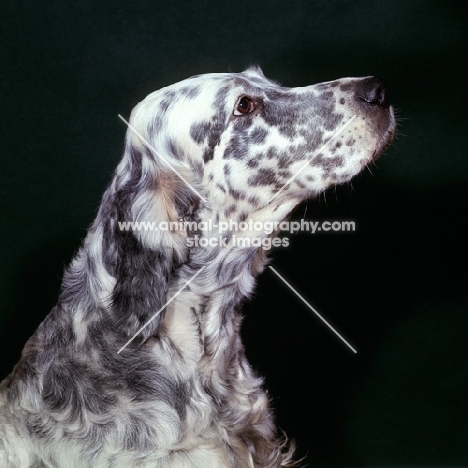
{"points": [[145, 240]]}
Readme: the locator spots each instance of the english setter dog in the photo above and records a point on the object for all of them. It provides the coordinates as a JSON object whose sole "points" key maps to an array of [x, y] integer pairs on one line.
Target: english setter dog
{"points": [[140, 364]]}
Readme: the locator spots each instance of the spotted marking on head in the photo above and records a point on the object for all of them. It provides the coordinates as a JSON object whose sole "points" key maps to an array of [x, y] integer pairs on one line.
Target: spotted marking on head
{"points": [[248, 156]]}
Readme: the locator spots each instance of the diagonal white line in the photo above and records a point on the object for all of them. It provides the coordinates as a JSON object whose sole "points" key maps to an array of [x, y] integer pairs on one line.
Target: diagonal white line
{"points": [[312, 309], [134, 130], [161, 309], [309, 159]]}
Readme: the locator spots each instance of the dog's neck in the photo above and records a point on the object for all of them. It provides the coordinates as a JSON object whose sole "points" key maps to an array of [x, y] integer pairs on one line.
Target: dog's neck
{"points": [[205, 314], [220, 276]]}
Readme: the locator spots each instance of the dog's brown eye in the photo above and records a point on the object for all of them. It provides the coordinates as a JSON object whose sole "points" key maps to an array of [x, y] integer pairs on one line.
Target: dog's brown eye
{"points": [[244, 106]]}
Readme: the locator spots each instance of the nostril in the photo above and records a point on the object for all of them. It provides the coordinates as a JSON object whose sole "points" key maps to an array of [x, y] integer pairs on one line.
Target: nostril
{"points": [[374, 92]]}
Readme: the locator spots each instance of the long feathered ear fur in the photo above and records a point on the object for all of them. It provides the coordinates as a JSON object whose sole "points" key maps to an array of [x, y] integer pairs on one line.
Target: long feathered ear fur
{"points": [[131, 248]]}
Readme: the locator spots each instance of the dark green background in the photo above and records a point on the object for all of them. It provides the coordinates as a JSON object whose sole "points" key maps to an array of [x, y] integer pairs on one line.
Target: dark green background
{"points": [[396, 288]]}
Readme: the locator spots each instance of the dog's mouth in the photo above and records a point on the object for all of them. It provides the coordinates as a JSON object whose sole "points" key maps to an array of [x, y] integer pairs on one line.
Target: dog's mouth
{"points": [[388, 136]]}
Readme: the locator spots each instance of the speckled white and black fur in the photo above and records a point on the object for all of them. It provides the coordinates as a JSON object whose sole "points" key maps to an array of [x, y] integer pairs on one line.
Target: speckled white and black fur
{"points": [[182, 394]]}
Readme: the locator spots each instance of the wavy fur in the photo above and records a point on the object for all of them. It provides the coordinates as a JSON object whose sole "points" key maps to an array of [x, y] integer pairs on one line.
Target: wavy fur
{"points": [[181, 394]]}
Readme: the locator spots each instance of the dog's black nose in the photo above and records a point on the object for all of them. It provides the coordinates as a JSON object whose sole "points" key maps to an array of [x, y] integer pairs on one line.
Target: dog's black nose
{"points": [[373, 91]]}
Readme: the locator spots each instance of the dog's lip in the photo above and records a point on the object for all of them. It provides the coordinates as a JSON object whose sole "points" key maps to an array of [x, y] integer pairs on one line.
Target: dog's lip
{"points": [[385, 142]]}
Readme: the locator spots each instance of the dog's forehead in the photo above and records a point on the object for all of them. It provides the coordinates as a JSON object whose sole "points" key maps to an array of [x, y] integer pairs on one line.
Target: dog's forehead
{"points": [[207, 101], [223, 87]]}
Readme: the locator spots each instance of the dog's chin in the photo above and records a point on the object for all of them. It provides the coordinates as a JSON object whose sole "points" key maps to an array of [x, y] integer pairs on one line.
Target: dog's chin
{"points": [[385, 143], [387, 136]]}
